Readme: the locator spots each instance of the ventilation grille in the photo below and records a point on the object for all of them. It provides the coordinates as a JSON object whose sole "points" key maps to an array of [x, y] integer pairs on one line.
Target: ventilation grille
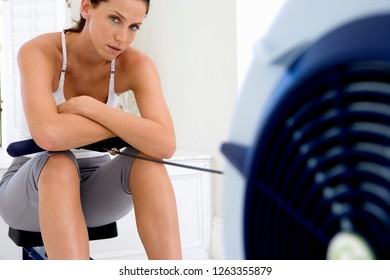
{"points": [[322, 166]]}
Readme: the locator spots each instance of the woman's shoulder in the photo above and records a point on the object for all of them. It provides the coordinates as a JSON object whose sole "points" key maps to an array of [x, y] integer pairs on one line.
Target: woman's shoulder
{"points": [[43, 50], [48, 44], [133, 58], [134, 67]]}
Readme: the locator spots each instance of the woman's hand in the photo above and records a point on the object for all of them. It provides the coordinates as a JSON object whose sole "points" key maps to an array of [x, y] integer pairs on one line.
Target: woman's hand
{"points": [[76, 105]]}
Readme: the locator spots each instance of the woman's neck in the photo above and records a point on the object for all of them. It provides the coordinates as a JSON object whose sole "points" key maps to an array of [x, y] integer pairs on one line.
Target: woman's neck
{"points": [[80, 50]]}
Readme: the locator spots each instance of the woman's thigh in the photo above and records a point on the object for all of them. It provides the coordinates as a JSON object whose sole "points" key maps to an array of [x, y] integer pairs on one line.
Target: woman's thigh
{"points": [[105, 193], [19, 191], [105, 190]]}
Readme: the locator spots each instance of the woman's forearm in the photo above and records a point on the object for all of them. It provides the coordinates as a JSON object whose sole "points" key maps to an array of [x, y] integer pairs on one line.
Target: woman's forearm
{"points": [[69, 131], [150, 137]]}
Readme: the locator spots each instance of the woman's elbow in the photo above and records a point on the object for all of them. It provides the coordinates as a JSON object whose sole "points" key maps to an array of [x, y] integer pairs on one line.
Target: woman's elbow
{"points": [[167, 148], [170, 150], [46, 139]]}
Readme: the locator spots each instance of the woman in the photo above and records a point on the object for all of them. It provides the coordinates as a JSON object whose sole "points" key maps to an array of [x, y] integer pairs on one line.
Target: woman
{"points": [[70, 83]]}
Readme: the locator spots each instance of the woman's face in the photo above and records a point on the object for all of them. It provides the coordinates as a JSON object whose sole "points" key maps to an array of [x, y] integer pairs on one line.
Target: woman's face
{"points": [[113, 25]]}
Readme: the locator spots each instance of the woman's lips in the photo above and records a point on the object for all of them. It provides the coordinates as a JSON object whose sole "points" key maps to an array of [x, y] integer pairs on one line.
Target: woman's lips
{"points": [[117, 49]]}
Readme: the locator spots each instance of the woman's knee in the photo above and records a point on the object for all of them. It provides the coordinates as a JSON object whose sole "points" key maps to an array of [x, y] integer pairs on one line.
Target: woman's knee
{"points": [[60, 166], [148, 173]]}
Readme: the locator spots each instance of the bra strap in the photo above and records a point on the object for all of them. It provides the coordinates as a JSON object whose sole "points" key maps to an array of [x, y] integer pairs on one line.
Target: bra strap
{"points": [[64, 59], [112, 69]]}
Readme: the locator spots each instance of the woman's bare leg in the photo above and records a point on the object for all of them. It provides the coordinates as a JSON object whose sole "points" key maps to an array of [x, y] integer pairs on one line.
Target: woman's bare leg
{"points": [[155, 210], [62, 222]]}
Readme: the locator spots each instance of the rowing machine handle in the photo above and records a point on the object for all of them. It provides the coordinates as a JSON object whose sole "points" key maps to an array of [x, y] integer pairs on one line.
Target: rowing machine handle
{"points": [[26, 147]]}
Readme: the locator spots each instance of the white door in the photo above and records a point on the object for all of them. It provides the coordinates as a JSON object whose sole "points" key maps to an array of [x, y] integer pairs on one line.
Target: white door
{"points": [[24, 19]]}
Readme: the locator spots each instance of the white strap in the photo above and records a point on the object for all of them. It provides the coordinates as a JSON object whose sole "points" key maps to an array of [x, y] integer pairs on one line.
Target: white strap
{"points": [[64, 59]]}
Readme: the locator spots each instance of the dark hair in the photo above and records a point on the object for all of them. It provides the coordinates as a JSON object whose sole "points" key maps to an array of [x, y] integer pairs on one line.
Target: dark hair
{"points": [[81, 23]]}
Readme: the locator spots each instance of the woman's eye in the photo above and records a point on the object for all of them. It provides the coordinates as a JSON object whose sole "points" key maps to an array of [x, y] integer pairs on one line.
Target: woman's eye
{"points": [[134, 27], [114, 19]]}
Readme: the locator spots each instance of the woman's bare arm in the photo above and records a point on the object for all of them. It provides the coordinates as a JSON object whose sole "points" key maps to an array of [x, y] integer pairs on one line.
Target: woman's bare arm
{"points": [[50, 129]]}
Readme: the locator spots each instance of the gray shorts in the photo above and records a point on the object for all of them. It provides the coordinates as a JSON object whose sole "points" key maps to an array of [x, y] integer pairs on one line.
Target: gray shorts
{"points": [[104, 188]]}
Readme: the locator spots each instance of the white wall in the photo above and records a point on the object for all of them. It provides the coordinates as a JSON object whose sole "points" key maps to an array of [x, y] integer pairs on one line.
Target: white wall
{"points": [[193, 44]]}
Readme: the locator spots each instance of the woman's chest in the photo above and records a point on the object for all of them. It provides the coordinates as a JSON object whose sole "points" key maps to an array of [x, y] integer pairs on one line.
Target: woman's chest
{"points": [[95, 82], [91, 84]]}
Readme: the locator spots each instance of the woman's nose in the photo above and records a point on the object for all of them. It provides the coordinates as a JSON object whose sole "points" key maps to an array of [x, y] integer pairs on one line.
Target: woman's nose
{"points": [[121, 35]]}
